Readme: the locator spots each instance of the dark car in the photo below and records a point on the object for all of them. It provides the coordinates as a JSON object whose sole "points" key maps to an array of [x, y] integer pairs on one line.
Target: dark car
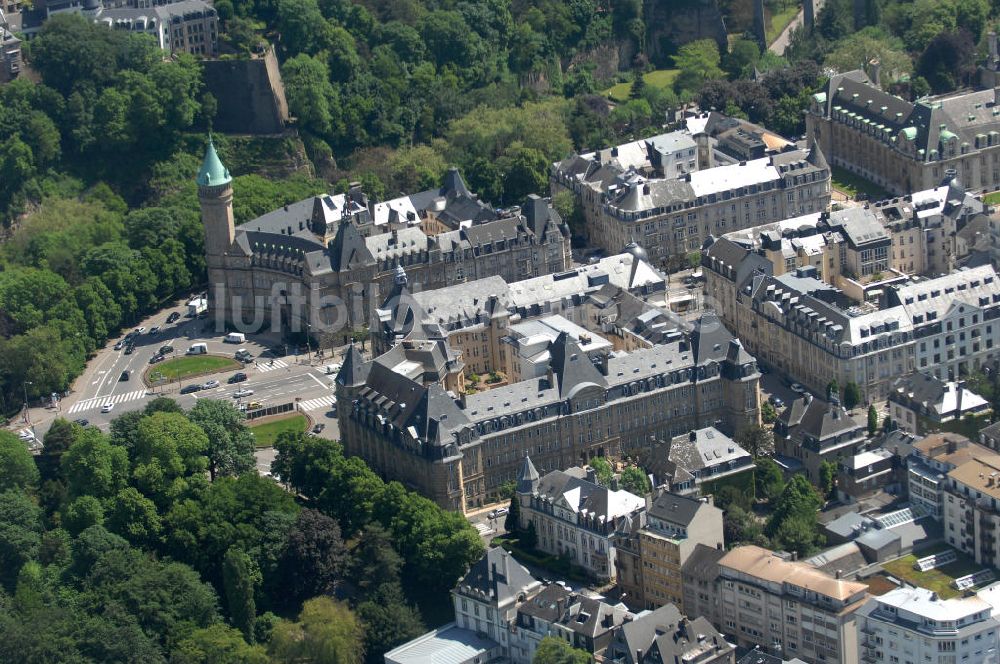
{"points": [[191, 388], [776, 401], [319, 428], [129, 349], [156, 358], [173, 317], [237, 378], [82, 422], [164, 350], [125, 376]]}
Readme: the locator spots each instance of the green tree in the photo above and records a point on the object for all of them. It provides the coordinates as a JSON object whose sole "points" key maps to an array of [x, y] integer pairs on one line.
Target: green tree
{"points": [[603, 470], [872, 420], [20, 534], [134, 517], [313, 559], [82, 513], [756, 440], [168, 448], [231, 443], [799, 500], [388, 621], [529, 538], [241, 578], [827, 477], [798, 534], [868, 45], [512, 521], [326, 631], [742, 58], [852, 395], [92, 466], [217, 644], [769, 479], [739, 526], [698, 61], [17, 465], [768, 414], [635, 480], [553, 650]]}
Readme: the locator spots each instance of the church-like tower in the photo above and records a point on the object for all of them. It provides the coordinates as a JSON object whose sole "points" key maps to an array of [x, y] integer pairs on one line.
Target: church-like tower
{"points": [[215, 194]]}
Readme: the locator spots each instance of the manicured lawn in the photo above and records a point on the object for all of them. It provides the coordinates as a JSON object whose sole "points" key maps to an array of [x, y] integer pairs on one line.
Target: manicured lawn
{"points": [[193, 365], [852, 185], [267, 432], [992, 199], [777, 22], [661, 78], [939, 580]]}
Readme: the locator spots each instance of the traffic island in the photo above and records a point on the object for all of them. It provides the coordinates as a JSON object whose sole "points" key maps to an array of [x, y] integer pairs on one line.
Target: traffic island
{"points": [[189, 366]]}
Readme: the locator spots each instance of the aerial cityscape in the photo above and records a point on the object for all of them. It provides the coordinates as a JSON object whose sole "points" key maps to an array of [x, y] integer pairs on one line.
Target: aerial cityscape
{"points": [[500, 331]]}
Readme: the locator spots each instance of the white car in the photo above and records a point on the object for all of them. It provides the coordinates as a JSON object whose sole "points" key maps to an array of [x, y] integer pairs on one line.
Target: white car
{"points": [[26, 435], [239, 394], [210, 385], [797, 388], [140, 330], [107, 408]]}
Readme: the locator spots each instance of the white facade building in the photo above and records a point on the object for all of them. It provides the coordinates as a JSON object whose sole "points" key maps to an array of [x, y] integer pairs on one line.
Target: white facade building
{"points": [[915, 626]]}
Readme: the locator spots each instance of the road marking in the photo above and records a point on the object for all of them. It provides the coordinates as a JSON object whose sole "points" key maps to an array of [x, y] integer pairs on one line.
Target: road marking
{"points": [[321, 383], [98, 402], [316, 404], [264, 367]]}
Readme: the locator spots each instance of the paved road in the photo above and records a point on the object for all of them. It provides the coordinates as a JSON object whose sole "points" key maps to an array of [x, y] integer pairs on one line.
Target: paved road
{"points": [[288, 378], [781, 43]]}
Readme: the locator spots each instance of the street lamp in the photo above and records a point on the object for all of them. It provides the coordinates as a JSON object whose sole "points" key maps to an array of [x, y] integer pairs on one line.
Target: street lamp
{"points": [[27, 413]]}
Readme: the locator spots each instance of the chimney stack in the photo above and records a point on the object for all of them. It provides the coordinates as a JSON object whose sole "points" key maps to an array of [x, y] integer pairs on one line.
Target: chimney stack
{"points": [[875, 69]]}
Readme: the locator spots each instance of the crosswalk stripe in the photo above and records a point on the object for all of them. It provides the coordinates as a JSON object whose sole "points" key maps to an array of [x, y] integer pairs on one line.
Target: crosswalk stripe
{"points": [[97, 402], [264, 367], [315, 404]]}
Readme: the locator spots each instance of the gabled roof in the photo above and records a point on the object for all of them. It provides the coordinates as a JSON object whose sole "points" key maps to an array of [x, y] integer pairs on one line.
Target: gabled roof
{"points": [[571, 366], [348, 250], [528, 477], [817, 418], [353, 371], [497, 576]]}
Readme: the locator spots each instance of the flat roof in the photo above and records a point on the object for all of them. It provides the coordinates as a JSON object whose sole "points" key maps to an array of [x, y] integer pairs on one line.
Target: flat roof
{"points": [[449, 644]]}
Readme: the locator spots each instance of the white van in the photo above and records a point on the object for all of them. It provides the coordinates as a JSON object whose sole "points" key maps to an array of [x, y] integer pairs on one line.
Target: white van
{"points": [[331, 369], [198, 349], [235, 338]]}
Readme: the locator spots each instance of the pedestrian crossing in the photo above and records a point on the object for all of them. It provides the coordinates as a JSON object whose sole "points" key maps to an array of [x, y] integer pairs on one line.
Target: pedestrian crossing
{"points": [[98, 402], [264, 367], [317, 404]]}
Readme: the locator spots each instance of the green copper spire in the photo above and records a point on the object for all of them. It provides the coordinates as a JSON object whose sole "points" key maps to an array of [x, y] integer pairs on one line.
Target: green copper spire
{"points": [[212, 173]]}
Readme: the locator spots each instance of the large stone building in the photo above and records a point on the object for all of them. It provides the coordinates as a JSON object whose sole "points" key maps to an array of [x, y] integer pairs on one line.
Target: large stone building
{"points": [[322, 265], [932, 458], [972, 509], [574, 516], [810, 431], [916, 625], [907, 146], [787, 607], [653, 546], [641, 192]]}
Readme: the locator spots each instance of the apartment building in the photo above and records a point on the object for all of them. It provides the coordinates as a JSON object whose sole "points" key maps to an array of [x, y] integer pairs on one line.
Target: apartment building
{"points": [[812, 431], [972, 510], [788, 607], [931, 459], [665, 635], [907, 146], [573, 516], [652, 548], [698, 462], [916, 625], [954, 318], [919, 400]]}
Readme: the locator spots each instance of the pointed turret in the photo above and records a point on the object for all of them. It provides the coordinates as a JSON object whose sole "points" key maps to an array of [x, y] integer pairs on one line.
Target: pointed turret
{"points": [[816, 157], [353, 371], [527, 479], [212, 172]]}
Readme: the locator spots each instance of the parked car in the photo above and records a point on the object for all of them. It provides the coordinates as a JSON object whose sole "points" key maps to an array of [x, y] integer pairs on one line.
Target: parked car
{"points": [[107, 408], [139, 330], [154, 330], [81, 421], [120, 345], [242, 393], [498, 512], [125, 376], [129, 349], [210, 385], [776, 401], [244, 356], [234, 338], [173, 317], [156, 358], [319, 427], [130, 336], [188, 389], [26, 435], [254, 405], [237, 378], [164, 350], [797, 388]]}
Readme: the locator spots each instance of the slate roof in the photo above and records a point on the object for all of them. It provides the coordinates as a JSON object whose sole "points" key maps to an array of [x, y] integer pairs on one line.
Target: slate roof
{"points": [[587, 498], [577, 613], [820, 419], [348, 250], [664, 635], [353, 370], [499, 577], [527, 478], [571, 366], [676, 509]]}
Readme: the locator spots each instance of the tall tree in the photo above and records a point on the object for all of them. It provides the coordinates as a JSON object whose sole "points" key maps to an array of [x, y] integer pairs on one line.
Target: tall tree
{"points": [[872, 420], [553, 650], [17, 466], [326, 631], [314, 557], [231, 443], [241, 577]]}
